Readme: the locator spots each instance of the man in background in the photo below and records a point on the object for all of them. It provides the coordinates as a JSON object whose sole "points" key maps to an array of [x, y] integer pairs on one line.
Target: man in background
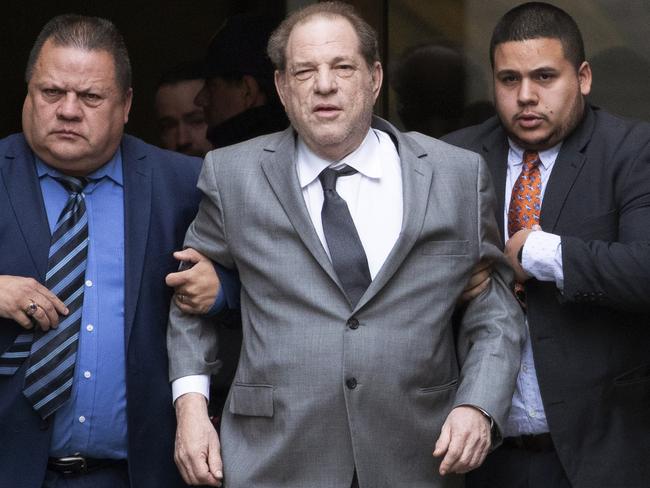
{"points": [[238, 98], [573, 183], [181, 123]]}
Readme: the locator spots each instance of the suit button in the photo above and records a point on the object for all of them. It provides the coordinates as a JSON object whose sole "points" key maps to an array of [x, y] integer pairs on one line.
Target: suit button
{"points": [[353, 323], [351, 383]]}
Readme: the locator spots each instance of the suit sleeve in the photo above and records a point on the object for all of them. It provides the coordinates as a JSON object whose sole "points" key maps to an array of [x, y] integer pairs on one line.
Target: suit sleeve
{"points": [[192, 341], [491, 328], [615, 274]]}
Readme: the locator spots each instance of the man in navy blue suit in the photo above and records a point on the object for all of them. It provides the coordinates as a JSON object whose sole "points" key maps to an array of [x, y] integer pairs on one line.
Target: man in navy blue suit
{"points": [[115, 426]]}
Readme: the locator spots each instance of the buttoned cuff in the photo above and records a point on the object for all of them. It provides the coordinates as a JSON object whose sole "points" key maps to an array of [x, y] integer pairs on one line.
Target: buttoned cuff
{"points": [[542, 257], [196, 383]]}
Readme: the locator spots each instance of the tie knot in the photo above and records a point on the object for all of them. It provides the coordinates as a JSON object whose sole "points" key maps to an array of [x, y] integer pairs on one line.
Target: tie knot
{"points": [[531, 160], [329, 176], [74, 184]]}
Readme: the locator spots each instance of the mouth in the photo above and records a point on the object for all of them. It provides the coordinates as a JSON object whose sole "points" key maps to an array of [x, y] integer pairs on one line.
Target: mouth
{"points": [[66, 134], [326, 110], [529, 120]]}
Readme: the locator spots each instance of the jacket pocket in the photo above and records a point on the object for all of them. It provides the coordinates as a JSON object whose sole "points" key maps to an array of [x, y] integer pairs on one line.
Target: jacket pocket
{"points": [[445, 248], [251, 400], [446, 386]]}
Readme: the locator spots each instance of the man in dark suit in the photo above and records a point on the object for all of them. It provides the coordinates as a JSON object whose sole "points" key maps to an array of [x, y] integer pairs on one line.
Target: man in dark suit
{"points": [[574, 188], [238, 98], [84, 396]]}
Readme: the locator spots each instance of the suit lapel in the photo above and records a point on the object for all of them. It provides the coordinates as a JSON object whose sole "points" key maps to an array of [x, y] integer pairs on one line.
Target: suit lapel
{"points": [[416, 184], [565, 171], [137, 205], [22, 185], [495, 152], [279, 168]]}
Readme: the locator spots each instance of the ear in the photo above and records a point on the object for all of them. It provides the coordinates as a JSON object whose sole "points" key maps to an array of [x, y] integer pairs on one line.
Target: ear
{"points": [[280, 82], [128, 98], [377, 76], [253, 95], [584, 78]]}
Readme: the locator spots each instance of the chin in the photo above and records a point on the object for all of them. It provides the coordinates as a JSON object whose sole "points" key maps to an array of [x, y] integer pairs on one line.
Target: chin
{"points": [[327, 138], [532, 140]]}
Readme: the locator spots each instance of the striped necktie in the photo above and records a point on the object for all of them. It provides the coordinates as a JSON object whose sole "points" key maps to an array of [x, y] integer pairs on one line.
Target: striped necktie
{"points": [[50, 367]]}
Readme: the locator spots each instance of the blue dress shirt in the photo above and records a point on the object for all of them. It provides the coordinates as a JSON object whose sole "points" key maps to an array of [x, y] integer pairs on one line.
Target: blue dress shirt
{"points": [[93, 422]]}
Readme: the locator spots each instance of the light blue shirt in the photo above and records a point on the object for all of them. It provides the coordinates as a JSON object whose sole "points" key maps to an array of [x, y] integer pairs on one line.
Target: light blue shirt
{"points": [[527, 415], [93, 421]]}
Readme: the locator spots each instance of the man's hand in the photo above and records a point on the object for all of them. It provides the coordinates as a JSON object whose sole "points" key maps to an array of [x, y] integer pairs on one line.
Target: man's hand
{"points": [[195, 288], [197, 451], [513, 245], [464, 440], [478, 282], [28, 302]]}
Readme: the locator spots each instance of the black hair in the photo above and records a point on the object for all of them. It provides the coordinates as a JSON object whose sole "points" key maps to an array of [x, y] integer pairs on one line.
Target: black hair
{"points": [[534, 20], [88, 33]]}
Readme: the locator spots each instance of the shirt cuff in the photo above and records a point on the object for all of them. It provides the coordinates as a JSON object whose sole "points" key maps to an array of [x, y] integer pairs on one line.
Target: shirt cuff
{"points": [[196, 383], [542, 257]]}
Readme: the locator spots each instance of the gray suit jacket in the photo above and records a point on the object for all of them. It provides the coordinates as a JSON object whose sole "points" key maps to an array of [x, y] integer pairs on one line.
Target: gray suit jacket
{"points": [[293, 417]]}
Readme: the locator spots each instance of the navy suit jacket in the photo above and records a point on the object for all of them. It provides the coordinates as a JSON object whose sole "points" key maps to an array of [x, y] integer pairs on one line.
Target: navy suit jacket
{"points": [[591, 343], [160, 201]]}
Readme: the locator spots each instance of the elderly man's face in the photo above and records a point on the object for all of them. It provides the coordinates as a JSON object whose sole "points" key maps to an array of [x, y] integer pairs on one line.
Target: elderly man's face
{"points": [[74, 112], [327, 89]]}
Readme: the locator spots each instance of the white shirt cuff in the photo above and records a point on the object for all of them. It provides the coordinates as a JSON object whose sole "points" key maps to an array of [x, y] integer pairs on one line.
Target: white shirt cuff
{"points": [[196, 383], [542, 257]]}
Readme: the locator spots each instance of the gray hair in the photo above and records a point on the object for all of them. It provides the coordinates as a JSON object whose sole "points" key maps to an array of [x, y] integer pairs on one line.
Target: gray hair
{"points": [[368, 45]]}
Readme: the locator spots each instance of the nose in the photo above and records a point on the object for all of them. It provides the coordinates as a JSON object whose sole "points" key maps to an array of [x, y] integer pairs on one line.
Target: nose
{"points": [[527, 94], [70, 107], [183, 138], [201, 98], [325, 81]]}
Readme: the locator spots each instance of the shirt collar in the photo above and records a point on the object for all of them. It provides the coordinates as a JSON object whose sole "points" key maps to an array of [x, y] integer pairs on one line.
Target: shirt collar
{"points": [[365, 159], [547, 157], [112, 169]]}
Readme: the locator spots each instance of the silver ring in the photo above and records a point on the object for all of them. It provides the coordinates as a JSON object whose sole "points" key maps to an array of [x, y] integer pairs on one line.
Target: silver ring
{"points": [[181, 298], [31, 308]]}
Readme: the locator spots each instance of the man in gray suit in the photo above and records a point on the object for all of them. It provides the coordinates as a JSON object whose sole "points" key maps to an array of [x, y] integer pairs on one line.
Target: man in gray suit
{"points": [[350, 367]]}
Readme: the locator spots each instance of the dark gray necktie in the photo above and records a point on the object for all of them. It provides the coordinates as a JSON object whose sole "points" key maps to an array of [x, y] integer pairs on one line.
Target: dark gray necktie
{"points": [[346, 251]]}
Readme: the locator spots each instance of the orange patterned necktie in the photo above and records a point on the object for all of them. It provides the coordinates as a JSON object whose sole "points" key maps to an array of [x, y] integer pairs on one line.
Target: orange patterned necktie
{"points": [[526, 202]]}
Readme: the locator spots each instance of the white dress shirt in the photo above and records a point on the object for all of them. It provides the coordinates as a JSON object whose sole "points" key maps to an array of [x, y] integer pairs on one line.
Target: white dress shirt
{"points": [[373, 196], [542, 254], [541, 258]]}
